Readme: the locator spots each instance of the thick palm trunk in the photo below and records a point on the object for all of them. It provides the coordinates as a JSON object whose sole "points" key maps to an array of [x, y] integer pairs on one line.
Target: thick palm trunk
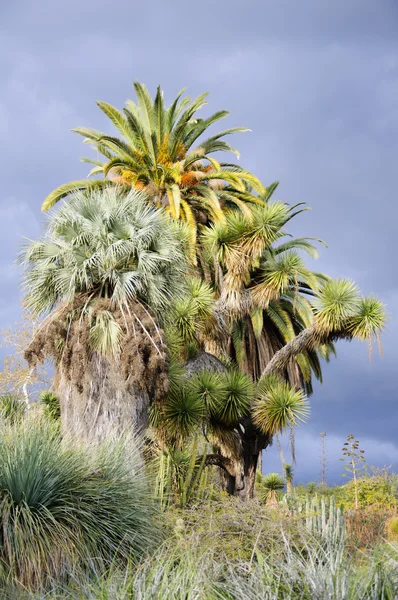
{"points": [[102, 404]]}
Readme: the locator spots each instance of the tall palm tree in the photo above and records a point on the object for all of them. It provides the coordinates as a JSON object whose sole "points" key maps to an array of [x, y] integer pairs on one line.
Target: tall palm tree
{"points": [[159, 152], [103, 275]]}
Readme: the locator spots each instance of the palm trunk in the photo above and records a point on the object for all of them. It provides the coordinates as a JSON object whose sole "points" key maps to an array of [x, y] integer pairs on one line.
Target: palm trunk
{"points": [[101, 405]]}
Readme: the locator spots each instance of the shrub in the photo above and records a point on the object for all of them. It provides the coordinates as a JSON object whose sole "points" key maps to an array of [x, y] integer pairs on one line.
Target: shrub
{"points": [[366, 526], [392, 528], [231, 529], [65, 506]]}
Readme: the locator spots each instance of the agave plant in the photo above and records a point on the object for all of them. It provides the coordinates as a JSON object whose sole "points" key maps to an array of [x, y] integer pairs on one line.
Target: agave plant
{"points": [[159, 152], [106, 270]]}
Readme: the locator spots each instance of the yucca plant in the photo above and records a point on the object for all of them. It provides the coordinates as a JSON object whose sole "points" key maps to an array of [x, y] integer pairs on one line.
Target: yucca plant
{"points": [[64, 505], [105, 272], [50, 403], [289, 473], [271, 485], [340, 313]]}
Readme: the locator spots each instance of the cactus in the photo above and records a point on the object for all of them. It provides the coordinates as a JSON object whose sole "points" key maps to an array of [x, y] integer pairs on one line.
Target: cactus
{"points": [[322, 519]]}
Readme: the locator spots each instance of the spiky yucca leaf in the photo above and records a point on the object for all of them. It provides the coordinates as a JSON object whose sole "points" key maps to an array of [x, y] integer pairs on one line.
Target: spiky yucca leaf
{"points": [[337, 301], [211, 388], [202, 296], [369, 319], [182, 412], [237, 402], [278, 405], [12, 408], [51, 405], [271, 484]]}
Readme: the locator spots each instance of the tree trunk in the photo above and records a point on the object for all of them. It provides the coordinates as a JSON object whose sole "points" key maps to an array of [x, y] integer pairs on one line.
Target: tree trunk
{"points": [[101, 405], [306, 340]]}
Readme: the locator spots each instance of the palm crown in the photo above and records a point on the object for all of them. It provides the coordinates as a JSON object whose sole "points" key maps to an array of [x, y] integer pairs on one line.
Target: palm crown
{"points": [[106, 245], [159, 152]]}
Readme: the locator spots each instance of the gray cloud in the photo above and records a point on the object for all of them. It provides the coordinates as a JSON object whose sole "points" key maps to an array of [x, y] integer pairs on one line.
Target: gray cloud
{"points": [[316, 81]]}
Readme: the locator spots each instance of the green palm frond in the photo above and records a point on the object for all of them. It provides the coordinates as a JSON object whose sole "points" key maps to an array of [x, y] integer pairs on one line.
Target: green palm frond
{"points": [[106, 244], [159, 151], [69, 188], [105, 334]]}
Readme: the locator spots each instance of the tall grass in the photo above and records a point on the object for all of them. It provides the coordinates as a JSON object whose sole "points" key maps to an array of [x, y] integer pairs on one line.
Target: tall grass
{"points": [[65, 506]]}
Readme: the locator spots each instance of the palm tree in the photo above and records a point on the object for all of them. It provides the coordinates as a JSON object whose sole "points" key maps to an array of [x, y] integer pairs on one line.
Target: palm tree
{"points": [[159, 152], [272, 484], [103, 275], [264, 289]]}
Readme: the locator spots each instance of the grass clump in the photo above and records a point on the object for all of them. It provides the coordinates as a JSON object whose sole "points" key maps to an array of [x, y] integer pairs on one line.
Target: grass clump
{"points": [[65, 507]]}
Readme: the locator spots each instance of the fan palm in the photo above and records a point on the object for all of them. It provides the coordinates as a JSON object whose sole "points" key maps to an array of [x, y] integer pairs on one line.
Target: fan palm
{"points": [[105, 271], [159, 152]]}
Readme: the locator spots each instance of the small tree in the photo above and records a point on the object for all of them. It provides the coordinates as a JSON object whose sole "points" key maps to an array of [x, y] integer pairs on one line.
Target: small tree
{"points": [[354, 461], [272, 484]]}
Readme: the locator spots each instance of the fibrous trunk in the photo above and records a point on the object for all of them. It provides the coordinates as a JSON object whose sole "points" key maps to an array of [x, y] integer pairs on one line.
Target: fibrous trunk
{"points": [[102, 404]]}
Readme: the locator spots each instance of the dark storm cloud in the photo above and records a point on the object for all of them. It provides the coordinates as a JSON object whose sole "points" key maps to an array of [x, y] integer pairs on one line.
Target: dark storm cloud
{"points": [[316, 81]]}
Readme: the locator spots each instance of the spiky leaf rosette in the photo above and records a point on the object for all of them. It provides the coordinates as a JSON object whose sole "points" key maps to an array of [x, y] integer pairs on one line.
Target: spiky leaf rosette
{"points": [[181, 414], [278, 406], [237, 401], [340, 313], [271, 485], [211, 388], [69, 506]]}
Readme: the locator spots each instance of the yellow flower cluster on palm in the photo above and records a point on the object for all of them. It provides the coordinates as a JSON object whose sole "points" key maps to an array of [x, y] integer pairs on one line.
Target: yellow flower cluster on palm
{"points": [[159, 154]]}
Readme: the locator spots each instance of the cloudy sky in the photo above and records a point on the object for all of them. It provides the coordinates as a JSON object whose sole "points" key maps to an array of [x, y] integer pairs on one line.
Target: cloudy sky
{"points": [[317, 83]]}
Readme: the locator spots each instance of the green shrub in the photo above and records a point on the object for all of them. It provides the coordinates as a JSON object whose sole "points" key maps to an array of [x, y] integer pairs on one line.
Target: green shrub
{"points": [[66, 506], [372, 491], [230, 529], [392, 529]]}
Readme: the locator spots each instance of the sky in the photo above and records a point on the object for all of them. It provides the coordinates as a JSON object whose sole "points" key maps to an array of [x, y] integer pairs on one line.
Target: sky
{"points": [[317, 83]]}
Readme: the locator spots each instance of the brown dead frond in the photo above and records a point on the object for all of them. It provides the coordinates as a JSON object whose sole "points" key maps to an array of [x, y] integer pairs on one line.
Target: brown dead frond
{"points": [[141, 358]]}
